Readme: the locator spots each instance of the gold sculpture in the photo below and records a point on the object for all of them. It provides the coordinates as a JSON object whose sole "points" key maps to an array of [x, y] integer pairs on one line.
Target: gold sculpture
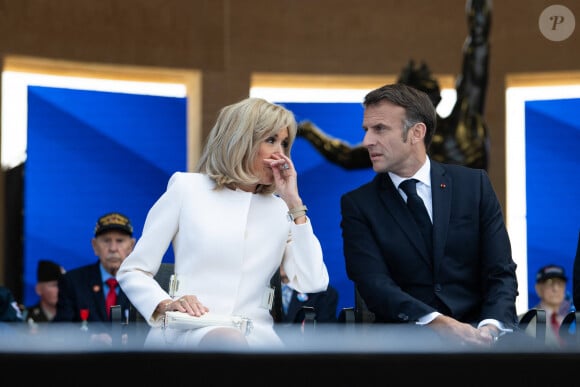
{"points": [[462, 136]]}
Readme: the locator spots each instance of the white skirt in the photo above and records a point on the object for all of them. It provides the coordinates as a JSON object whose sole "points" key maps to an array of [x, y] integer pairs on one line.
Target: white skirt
{"points": [[262, 337]]}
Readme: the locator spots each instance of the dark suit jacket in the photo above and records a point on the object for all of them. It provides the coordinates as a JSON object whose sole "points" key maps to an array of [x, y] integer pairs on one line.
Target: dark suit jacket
{"points": [[8, 306], [82, 288], [576, 276], [470, 274], [324, 304], [36, 314]]}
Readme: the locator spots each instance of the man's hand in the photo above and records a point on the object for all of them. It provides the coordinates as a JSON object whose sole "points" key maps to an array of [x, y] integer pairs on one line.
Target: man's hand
{"points": [[462, 333]]}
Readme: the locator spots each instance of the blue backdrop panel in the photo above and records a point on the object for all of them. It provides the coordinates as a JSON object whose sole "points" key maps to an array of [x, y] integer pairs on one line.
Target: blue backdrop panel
{"points": [[552, 186], [89, 153], [322, 183]]}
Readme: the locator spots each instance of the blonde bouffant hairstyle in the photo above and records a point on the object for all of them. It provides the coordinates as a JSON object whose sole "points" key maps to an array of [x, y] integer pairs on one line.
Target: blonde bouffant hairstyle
{"points": [[234, 141]]}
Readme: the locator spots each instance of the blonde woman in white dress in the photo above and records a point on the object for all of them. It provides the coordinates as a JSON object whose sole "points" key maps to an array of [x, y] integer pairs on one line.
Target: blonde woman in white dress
{"points": [[231, 223]]}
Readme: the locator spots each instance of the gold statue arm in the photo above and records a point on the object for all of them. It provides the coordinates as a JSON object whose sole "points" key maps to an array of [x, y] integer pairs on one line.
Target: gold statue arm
{"points": [[335, 150]]}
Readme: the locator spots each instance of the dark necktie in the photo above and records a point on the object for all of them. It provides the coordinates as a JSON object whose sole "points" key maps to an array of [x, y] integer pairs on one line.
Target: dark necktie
{"points": [[418, 210], [111, 299]]}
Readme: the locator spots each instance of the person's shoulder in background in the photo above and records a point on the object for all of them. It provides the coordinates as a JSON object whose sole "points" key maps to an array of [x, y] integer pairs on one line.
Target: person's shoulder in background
{"points": [[9, 309], [576, 276]]}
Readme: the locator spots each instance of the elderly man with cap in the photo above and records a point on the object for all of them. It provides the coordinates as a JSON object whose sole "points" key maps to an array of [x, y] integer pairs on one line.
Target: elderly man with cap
{"points": [[87, 292], [47, 275], [551, 289]]}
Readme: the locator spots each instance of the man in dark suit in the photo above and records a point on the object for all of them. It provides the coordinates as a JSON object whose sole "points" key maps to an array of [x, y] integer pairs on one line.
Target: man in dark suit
{"points": [[458, 277], [83, 290]]}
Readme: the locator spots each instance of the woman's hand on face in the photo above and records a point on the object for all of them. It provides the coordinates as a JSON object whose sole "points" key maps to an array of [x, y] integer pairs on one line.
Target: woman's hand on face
{"points": [[285, 179]]}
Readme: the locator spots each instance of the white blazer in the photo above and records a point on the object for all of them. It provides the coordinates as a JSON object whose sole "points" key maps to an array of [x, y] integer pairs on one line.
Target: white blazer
{"points": [[227, 245]]}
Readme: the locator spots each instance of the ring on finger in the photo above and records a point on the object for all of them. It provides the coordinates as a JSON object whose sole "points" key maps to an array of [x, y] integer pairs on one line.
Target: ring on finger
{"points": [[285, 166]]}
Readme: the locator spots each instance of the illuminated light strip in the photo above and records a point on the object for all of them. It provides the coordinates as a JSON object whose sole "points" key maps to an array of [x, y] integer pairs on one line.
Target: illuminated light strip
{"points": [[332, 95]]}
